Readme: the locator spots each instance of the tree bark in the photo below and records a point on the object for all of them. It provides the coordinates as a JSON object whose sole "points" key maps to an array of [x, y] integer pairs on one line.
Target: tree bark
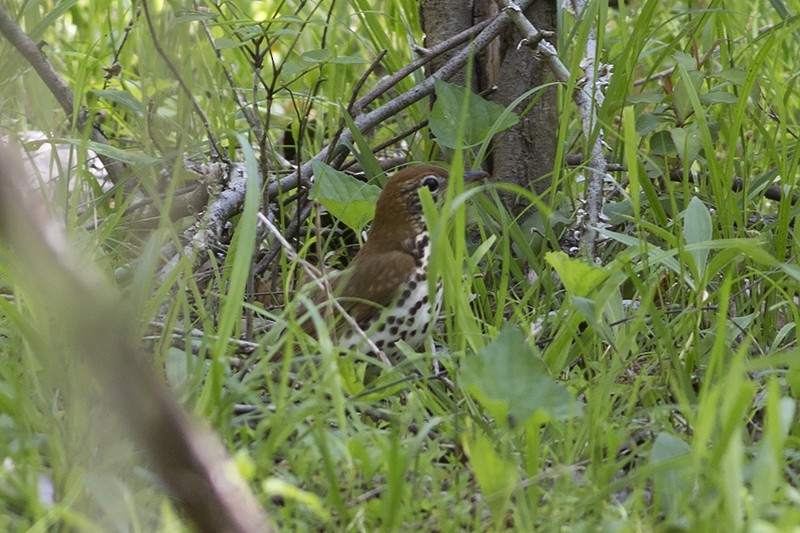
{"points": [[441, 19], [525, 154]]}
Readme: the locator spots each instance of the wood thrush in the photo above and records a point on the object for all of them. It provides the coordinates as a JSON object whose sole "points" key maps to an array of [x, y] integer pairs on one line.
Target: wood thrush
{"points": [[385, 288]]}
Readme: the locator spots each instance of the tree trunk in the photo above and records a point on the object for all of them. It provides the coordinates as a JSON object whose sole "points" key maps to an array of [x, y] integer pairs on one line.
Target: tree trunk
{"points": [[523, 155]]}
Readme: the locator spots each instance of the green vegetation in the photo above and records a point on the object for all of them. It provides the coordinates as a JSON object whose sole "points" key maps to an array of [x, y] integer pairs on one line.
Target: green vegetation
{"points": [[657, 391]]}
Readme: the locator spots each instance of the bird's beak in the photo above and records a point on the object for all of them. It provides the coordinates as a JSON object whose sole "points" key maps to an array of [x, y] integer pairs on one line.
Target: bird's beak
{"points": [[472, 176]]}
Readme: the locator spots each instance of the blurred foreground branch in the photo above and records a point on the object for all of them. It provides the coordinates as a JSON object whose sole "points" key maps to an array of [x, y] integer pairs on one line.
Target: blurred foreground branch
{"points": [[71, 293]]}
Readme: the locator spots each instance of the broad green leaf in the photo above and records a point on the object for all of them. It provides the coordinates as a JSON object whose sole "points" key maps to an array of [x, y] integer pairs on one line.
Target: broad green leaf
{"points": [[346, 198], [579, 278], [687, 142], [647, 123], [123, 98], [483, 119], [718, 97], [697, 228], [513, 384], [589, 311], [225, 43], [646, 97], [681, 98], [661, 143], [737, 76]]}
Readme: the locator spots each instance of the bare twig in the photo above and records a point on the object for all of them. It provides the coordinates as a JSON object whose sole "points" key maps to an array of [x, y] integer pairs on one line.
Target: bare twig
{"points": [[181, 82], [430, 54], [586, 96], [204, 233], [57, 86], [365, 122]]}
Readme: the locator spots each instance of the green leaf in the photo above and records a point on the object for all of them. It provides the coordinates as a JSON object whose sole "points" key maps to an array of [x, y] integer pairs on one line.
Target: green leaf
{"points": [[237, 263], [681, 98], [225, 43], [483, 120], [646, 97], [718, 97], [346, 198], [687, 142], [648, 122], [696, 229], [513, 384], [362, 149], [317, 56], [123, 98], [737, 76], [661, 143], [579, 278], [124, 156]]}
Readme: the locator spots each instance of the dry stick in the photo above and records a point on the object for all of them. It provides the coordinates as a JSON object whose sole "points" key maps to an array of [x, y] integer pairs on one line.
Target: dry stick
{"points": [[430, 55], [57, 86], [72, 294], [587, 109], [185, 88], [367, 121], [586, 96], [363, 79], [204, 232], [322, 284]]}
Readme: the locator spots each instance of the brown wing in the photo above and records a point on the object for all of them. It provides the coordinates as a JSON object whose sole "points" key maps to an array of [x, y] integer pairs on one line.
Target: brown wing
{"points": [[364, 288], [372, 283]]}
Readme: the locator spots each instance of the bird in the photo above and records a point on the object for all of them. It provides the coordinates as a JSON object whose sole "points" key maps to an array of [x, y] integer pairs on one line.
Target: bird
{"points": [[385, 289]]}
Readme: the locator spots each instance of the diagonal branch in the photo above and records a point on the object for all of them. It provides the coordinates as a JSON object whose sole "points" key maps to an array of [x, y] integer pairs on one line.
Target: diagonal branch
{"points": [[57, 86], [367, 121], [69, 292]]}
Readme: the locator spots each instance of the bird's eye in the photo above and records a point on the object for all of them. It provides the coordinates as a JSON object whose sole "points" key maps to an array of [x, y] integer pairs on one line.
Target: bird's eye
{"points": [[431, 182]]}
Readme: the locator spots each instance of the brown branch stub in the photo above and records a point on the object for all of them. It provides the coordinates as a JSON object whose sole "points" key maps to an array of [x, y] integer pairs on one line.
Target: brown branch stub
{"points": [[533, 41]]}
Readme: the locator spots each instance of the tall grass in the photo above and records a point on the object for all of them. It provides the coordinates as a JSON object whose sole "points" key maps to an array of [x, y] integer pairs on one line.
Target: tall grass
{"points": [[655, 391]]}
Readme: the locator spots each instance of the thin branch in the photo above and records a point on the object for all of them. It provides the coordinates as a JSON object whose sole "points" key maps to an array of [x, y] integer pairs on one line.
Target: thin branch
{"points": [[586, 97], [430, 54], [365, 122], [181, 82], [57, 86], [323, 285]]}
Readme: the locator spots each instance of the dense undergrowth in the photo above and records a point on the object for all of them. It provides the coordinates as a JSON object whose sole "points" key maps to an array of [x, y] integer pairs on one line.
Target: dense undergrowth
{"points": [[654, 390]]}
